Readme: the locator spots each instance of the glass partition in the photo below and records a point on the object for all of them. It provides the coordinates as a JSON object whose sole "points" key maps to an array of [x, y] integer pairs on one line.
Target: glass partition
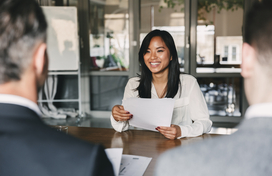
{"points": [[219, 36], [108, 32]]}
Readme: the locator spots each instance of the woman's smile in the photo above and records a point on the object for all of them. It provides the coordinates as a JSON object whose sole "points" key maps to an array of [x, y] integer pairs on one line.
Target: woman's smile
{"points": [[155, 64]]}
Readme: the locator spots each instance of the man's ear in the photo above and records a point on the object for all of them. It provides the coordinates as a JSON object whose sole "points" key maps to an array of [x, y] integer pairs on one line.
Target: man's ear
{"points": [[39, 58], [248, 60]]}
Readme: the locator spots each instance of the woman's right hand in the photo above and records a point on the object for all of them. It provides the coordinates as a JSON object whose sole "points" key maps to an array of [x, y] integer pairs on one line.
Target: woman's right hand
{"points": [[120, 114]]}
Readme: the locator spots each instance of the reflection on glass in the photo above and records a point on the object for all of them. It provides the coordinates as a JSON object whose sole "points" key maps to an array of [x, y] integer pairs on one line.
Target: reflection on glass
{"points": [[109, 40], [219, 34], [107, 91], [157, 15], [222, 95]]}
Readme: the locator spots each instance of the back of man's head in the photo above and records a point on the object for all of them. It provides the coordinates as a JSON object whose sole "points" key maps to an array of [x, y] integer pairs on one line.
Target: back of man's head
{"points": [[22, 27], [258, 31]]}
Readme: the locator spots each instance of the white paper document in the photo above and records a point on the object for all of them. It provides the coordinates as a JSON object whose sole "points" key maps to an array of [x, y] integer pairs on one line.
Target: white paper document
{"points": [[115, 156], [132, 165], [150, 113]]}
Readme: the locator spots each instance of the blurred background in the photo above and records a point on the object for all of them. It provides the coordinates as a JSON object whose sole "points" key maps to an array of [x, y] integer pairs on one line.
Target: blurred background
{"points": [[207, 33]]}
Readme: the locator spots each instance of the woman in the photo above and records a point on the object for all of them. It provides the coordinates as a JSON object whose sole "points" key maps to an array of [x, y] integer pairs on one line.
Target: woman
{"points": [[160, 78]]}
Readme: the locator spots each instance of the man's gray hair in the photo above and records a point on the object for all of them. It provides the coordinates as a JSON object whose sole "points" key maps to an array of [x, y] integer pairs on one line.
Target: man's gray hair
{"points": [[22, 27]]}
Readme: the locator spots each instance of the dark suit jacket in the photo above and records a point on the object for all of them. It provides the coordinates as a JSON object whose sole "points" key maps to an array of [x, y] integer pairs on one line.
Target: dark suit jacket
{"points": [[246, 152], [28, 147]]}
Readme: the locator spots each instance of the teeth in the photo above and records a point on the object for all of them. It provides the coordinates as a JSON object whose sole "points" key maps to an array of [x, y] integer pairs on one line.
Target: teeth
{"points": [[155, 63]]}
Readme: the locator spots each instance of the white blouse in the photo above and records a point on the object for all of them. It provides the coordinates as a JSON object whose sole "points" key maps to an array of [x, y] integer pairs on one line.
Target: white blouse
{"points": [[190, 109]]}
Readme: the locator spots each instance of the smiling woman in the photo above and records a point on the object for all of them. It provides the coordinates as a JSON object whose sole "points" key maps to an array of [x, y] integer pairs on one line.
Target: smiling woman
{"points": [[160, 78], [157, 58]]}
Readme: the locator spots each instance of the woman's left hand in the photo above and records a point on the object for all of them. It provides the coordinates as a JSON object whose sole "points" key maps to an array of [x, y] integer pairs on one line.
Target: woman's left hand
{"points": [[172, 132]]}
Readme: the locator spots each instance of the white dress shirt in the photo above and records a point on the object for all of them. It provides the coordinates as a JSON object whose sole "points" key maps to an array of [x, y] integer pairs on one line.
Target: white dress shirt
{"points": [[17, 100], [190, 110], [259, 110]]}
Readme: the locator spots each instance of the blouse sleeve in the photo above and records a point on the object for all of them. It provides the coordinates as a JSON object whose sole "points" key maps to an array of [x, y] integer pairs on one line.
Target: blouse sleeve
{"points": [[129, 92], [198, 112]]}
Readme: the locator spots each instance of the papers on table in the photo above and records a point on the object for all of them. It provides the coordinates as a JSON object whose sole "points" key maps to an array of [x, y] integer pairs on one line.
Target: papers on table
{"points": [[132, 165], [127, 165], [115, 156], [150, 113]]}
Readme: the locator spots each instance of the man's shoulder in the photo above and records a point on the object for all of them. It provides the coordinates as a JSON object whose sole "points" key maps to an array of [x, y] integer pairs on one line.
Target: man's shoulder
{"points": [[53, 149], [239, 152], [89, 156], [193, 159]]}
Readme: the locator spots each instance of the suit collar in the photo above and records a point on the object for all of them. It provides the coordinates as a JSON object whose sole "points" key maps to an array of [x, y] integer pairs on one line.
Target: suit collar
{"points": [[17, 100], [259, 110]]}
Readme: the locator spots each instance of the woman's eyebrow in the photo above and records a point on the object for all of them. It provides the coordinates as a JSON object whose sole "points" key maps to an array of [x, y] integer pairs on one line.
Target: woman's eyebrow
{"points": [[160, 47]]}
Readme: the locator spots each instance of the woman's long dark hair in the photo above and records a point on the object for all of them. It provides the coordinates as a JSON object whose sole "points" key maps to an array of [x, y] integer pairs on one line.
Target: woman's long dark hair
{"points": [[144, 87]]}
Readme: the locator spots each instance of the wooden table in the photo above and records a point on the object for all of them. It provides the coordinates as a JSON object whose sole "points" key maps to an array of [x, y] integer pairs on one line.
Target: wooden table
{"points": [[134, 142]]}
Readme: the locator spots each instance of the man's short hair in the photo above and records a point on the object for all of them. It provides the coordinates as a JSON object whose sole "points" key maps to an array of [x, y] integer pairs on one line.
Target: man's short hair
{"points": [[22, 27], [258, 30]]}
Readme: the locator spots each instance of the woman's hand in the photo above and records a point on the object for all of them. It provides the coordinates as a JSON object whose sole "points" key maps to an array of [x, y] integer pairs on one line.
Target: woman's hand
{"points": [[172, 132], [119, 114]]}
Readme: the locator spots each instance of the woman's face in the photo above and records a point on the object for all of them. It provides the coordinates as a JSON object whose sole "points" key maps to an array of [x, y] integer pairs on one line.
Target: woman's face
{"points": [[157, 56]]}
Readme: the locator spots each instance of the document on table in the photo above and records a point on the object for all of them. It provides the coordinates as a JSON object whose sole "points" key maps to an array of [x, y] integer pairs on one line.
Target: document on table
{"points": [[115, 156], [150, 113], [127, 165], [132, 165]]}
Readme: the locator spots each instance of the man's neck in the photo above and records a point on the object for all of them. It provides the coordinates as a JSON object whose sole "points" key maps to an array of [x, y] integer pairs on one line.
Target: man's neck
{"points": [[22, 88], [260, 88]]}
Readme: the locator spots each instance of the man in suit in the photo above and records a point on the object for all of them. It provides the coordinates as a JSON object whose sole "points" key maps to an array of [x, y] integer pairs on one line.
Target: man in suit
{"points": [[28, 147], [247, 151]]}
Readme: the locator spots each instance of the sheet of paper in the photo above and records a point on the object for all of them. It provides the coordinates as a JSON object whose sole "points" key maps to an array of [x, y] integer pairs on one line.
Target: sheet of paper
{"points": [[115, 156], [150, 113], [132, 165]]}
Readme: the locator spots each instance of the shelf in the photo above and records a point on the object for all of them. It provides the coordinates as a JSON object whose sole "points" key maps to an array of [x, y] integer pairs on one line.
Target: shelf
{"points": [[63, 73], [67, 100], [218, 70], [216, 75]]}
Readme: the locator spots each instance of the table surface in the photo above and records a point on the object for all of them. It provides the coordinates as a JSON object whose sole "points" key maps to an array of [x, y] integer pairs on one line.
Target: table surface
{"points": [[134, 142]]}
